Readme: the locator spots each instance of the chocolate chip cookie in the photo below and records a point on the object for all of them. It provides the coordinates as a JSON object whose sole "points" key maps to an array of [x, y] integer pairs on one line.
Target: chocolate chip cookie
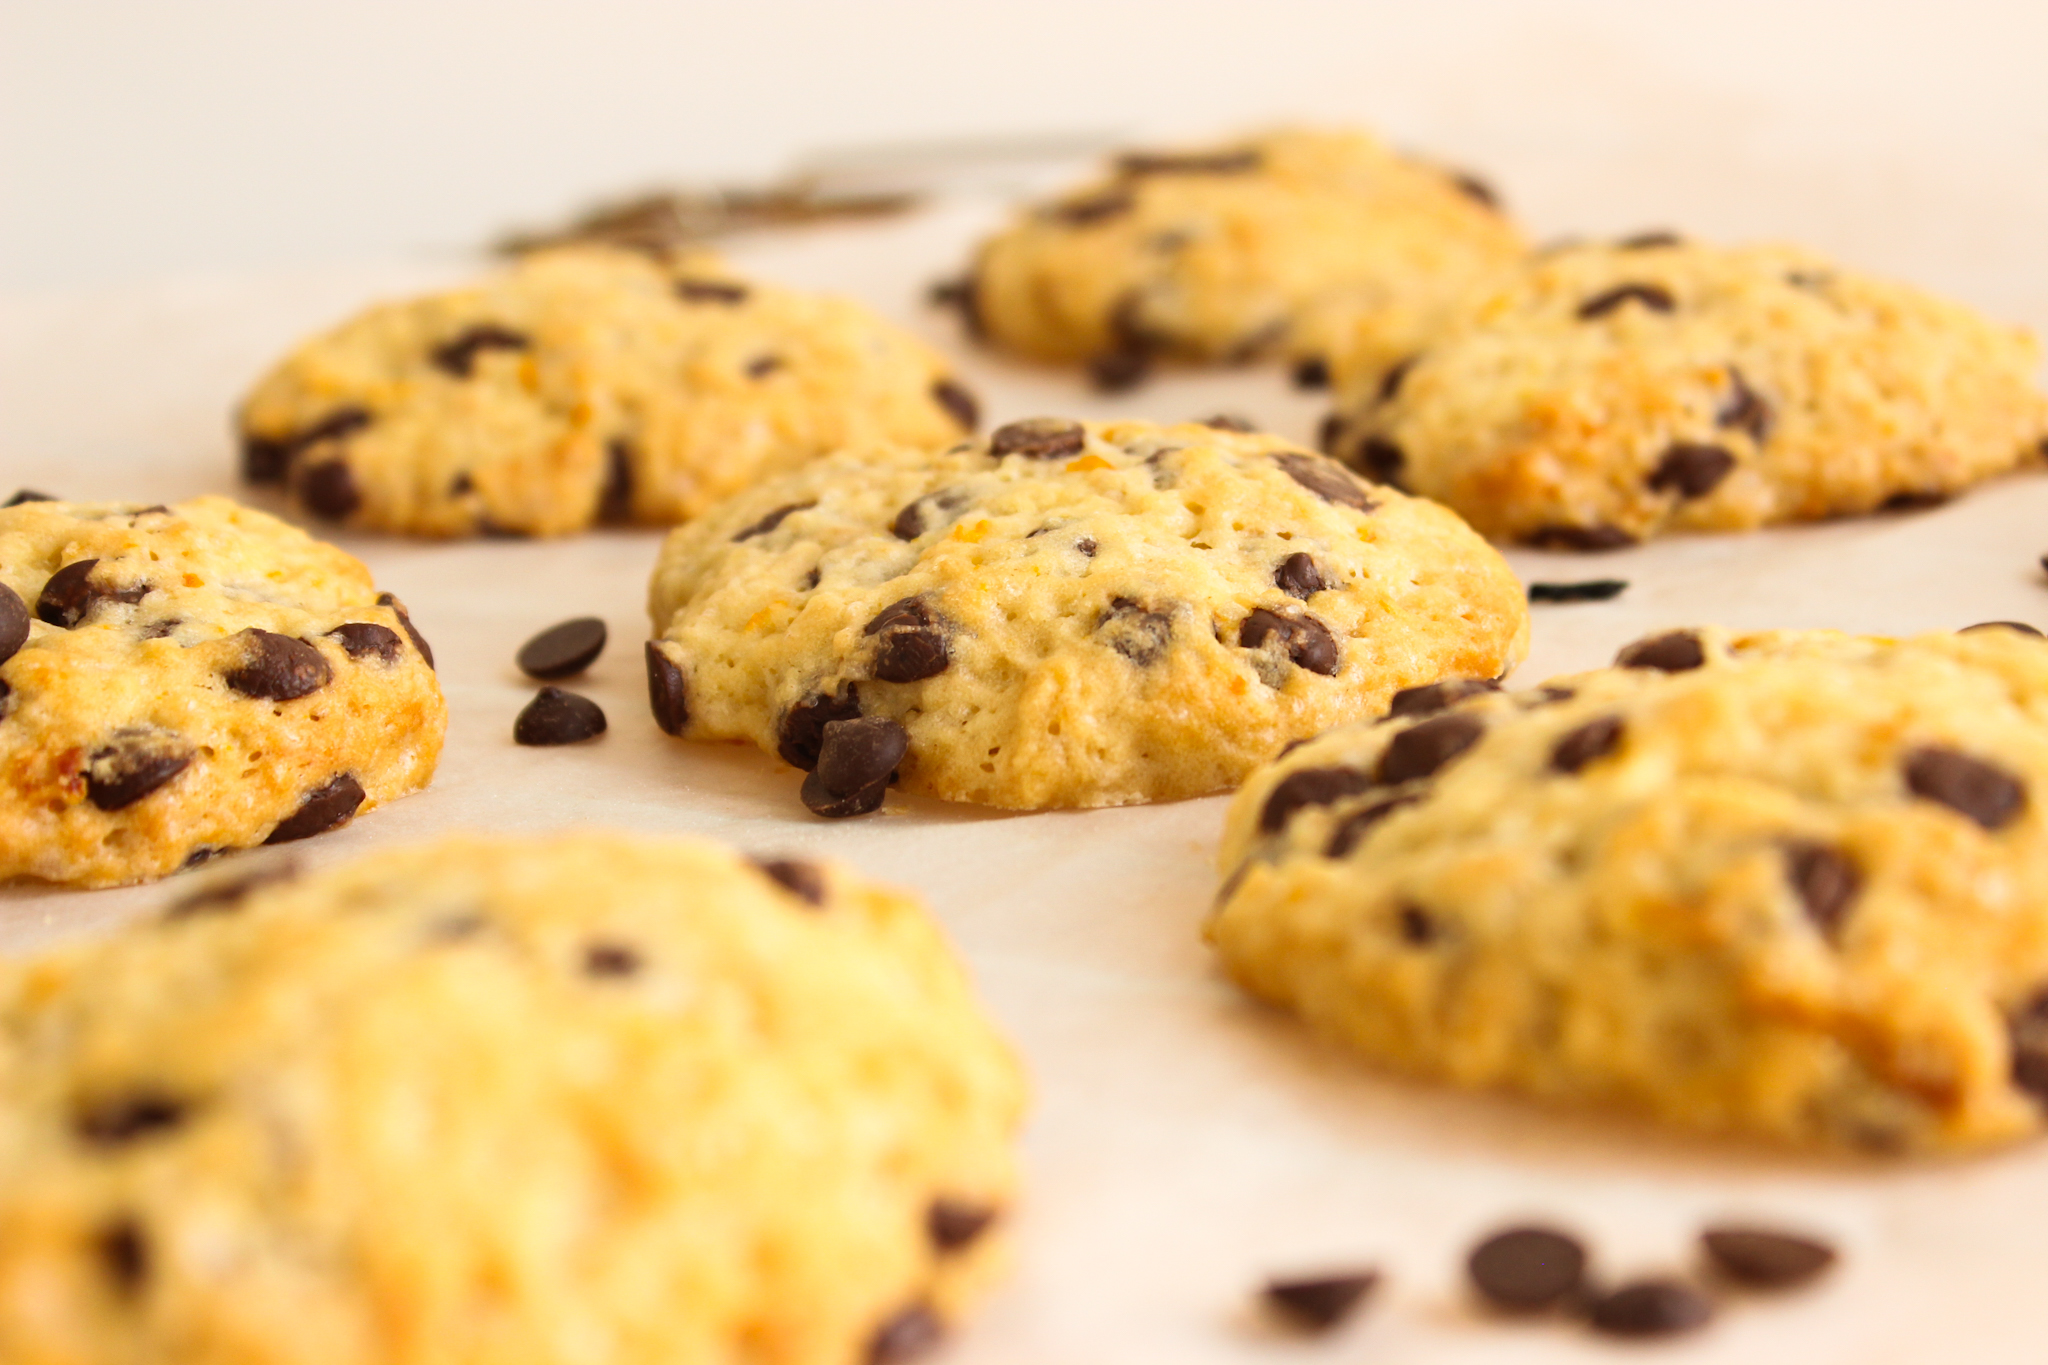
{"points": [[1066, 614], [584, 385], [179, 681], [1792, 884]]}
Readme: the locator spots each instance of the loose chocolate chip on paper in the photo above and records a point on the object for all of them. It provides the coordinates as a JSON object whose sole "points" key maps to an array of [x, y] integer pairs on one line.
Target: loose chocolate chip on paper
{"points": [[911, 643], [1318, 1303], [711, 291], [123, 1119], [14, 619], [1691, 470], [954, 1225], [1586, 590], [365, 639], [277, 667], [774, 519], [801, 734], [329, 490], [1355, 826], [1431, 698], [1422, 750], [959, 404], [1527, 1269], [1654, 297], [668, 692], [1825, 879], [457, 356], [558, 717], [1588, 538], [1298, 576], [1038, 438], [912, 1333], [1308, 642], [133, 763], [1764, 1258], [327, 807], [1326, 479], [563, 651], [806, 881], [1655, 1307], [1309, 787], [1581, 745], [1674, 651], [1969, 786]]}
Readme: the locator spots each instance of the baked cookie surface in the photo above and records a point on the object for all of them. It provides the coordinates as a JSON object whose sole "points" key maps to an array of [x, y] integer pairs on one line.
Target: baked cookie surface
{"points": [[177, 682], [1604, 394], [1297, 242], [585, 1099], [1794, 884], [584, 385], [1070, 614]]}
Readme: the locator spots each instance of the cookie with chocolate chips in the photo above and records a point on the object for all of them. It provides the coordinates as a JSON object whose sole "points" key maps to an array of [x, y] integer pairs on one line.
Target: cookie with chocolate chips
{"points": [[1067, 614], [491, 1098], [179, 681], [1792, 884], [582, 386], [1601, 395], [1315, 244]]}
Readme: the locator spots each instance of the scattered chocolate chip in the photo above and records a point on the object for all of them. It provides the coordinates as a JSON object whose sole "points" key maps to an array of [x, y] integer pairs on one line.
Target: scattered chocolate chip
{"points": [[1308, 642], [1475, 189], [1594, 538], [1233, 162], [133, 763], [802, 880], [1326, 479], [1653, 1307], [14, 619], [1087, 546], [1309, 787], [1985, 793], [329, 806], [226, 893], [364, 639], [385, 599], [1647, 241], [1418, 927], [1330, 435], [457, 356], [1825, 880], [1579, 746], [1119, 371], [909, 523], [711, 291], [1548, 695], [1435, 697], [1312, 372], [1379, 460], [278, 668], [668, 693], [124, 1251], [2028, 1029], [1674, 651], [912, 1333], [1229, 421], [1526, 1270], [6, 699], [267, 459], [563, 651], [959, 404], [1915, 499], [1808, 279], [1691, 470], [802, 732], [461, 485], [2021, 626], [329, 490], [27, 495], [1092, 208], [557, 717], [1136, 631], [911, 644], [1318, 1304], [127, 1118], [1760, 1258], [964, 295], [1421, 750], [762, 366], [1354, 827], [1654, 297], [1394, 378], [154, 510], [954, 1226], [1298, 576], [1587, 590], [615, 500], [856, 759], [1038, 438], [1745, 409], [773, 520], [610, 959], [70, 596]]}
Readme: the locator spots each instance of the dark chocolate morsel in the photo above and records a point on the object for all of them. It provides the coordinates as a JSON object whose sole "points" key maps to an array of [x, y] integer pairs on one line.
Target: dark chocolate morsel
{"points": [[1418, 927], [27, 495], [1087, 546], [1588, 590], [1330, 434], [911, 644], [1326, 479], [6, 699], [1235, 161], [1602, 537], [1394, 378], [564, 650], [1744, 409], [953, 1225], [912, 1333], [1674, 651], [1475, 189], [1309, 787], [1654, 1307], [1354, 827], [124, 1251], [457, 356], [820, 802], [14, 619], [1312, 372], [123, 1119], [615, 500], [1763, 1258], [909, 523], [1435, 697], [668, 692], [1092, 208], [801, 734], [1825, 879], [1423, 749], [762, 366], [557, 717], [461, 485], [1647, 241], [267, 459], [1119, 371], [1969, 786], [1915, 499], [226, 893], [329, 806], [1579, 746], [70, 595], [1527, 1269], [1136, 631], [1379, 460], [133, 763], [1654, 297], [1308, 642], [2021, 626], [959, 404], [385, 599], [860, 753], [2027, 1028], [610, 960], [1038, 438], [774, 519], [365, 639], [803, 880], [711, 291], [1229, 421], [278, 668], [329, 490], [1319, 1303], [1298, 576], [1691, 470]]}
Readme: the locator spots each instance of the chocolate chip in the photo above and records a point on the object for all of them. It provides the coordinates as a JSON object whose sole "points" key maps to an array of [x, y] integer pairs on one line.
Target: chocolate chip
{"points": [[385, 599], [1119, 371], [2028, 1029], [1136, 631], [226, 893], [1579, 746], [557, 717], [564, 650], [1525, 1270], [457, 356], [802, 732], [773, 520], [1915, 499], [911, 644], [1298, 576], [1330, 435], [1092, 208], [802, 880], [1654, 297], [1038, 438], [615, 501], [1326, 479], [1421, 750], [27, 495], [959, 404], [1233, 162], [124, 1252], [1418, 928], [1307, 641], [1228, 421], [909, 523], [1650, 1308], [1087, 546], [1475, 189], [954, 1226], [1691, 470], [1761, 1258], [668, 692], [1825, 880], [762, 366], [133, 763], [1985, 793], [1744, 409], [6, 699], [1674, 651], [128, 1118], [1600, 537], [1312, 372], [2021, 626], [1647, 241], [277, 668], [856, 759], [329, 806], [14, 619], [1356, 825], [70, 596], [962, 294], [911, 1333], [329, 490], [610, 960], [711, 291], [1318, 1304], [1435, 697], [268, 459], [363, 639], [461, 485], [1379, 460], [1586, 590], [1309, 787], [1391, 381]]}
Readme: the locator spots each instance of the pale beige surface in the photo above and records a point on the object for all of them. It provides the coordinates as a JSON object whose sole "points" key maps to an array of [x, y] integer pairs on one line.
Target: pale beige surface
{"points": [[1184, 1142]]}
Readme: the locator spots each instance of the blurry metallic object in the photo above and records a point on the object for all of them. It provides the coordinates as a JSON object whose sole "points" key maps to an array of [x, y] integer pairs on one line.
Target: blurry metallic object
{"points": [[867, 181]]}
